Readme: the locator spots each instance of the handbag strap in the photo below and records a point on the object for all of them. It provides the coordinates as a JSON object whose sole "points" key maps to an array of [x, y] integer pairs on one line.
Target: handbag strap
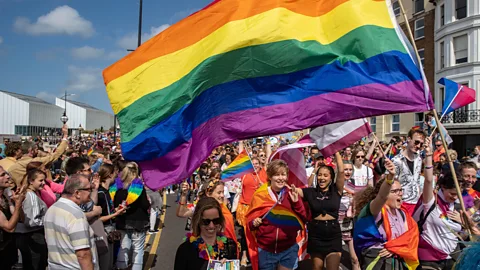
{"points": [[108, 205]]}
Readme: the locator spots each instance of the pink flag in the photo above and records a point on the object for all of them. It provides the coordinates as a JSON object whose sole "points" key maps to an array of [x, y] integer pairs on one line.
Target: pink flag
{"points": [[334, 137]]}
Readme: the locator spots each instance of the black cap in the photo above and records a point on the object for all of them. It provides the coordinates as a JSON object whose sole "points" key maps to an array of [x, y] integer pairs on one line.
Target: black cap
{"points": [[318, 155]]}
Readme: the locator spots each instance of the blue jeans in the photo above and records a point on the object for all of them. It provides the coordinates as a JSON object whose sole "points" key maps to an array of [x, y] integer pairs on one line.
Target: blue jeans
{"points": [[131, 240], [270, 261]]}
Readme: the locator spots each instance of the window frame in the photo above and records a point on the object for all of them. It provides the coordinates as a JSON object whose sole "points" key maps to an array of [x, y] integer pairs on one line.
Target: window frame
{"points": [[396, 10], [373, 123], [395, 123], [442, 15], [419, 122], [442, 54], [418, 29], [422, 58], [465, 7], [415, 11], [455, 48]]}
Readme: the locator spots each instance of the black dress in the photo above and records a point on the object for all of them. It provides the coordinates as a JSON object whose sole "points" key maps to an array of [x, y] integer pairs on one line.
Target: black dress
{"points": [[187, 256], [136, 217]]}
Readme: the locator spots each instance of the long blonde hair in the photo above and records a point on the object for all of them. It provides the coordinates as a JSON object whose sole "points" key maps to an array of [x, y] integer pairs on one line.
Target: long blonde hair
{"points": [[129, 173]]}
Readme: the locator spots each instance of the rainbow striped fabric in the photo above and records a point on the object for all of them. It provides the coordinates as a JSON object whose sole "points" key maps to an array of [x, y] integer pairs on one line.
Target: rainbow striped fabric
{"points": [[134, 190], [240, 166], [284, 217], [245, 68]]}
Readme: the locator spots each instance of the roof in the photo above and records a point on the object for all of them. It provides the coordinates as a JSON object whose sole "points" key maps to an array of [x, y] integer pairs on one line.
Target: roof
{"points": [[26, 98], [81, 104]]}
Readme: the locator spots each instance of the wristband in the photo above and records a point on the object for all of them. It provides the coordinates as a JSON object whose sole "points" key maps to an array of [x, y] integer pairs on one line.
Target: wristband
{"points": [[180, 203], [428, 167], [429, 155], [472, 210]]}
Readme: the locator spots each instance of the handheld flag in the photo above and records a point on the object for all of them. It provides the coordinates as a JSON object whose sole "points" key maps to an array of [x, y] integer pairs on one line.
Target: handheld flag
{"points": [[240, 166], [334, 137], [241, 69], [442, 129], [456, 95]]}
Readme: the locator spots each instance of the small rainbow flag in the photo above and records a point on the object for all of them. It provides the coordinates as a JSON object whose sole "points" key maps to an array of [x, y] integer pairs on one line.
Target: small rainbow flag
{"points": [[90, 151], [393, 152], [240, 166], [283, 217]]}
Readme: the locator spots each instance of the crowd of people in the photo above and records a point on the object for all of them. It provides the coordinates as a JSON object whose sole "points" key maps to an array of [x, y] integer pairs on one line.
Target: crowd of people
{"points": [[81, 206], [389, 205]]}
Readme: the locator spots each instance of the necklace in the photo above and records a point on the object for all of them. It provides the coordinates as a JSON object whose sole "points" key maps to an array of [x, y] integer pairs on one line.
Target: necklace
{"points": [[205, 251]]}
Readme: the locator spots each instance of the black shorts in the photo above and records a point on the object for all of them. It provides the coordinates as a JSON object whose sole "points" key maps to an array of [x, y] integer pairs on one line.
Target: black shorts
{"points": [[324, 237]]}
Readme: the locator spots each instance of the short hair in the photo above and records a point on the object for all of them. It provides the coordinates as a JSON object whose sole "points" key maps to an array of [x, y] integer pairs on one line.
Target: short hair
{"points": [[275, 166], [204, 204], [73, 183], [467, 165], [446, 181], [12, 148], [26, 146], [75, 164], [419, 131], [453, 154]]}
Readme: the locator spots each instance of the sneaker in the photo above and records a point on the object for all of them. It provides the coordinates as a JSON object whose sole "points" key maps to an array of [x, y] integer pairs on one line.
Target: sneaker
{"points": [[152, 231]]}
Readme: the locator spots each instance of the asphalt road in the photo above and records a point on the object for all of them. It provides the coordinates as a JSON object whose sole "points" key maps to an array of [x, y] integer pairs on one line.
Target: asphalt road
{"points": [[166, 241]]}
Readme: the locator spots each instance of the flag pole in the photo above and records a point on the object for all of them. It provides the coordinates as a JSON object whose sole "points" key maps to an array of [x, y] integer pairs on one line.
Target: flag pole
{"points": [[435, 114]]}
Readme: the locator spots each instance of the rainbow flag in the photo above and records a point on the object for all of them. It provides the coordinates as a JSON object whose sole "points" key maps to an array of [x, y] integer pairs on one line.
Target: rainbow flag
{"points": [[246, 68], [393, 152], [240, 166], [90, 151]]}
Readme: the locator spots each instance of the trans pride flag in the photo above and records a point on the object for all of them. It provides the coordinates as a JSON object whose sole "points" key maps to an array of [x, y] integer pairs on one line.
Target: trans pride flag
{"points": [[245, 68], [240, 166]]}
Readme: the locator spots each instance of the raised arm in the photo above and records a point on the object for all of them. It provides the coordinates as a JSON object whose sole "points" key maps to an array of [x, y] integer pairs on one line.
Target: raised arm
{"points": [[371, 149], [182, 209], [340, 173], [377, 204], [428, 184]]}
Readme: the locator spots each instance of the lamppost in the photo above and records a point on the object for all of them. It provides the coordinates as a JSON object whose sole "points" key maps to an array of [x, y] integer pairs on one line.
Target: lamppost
{"points": [[64, 117], [80, 129]]}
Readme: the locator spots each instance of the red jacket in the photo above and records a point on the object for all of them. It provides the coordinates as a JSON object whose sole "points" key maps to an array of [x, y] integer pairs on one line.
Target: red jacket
{"points": [[274, 239]]}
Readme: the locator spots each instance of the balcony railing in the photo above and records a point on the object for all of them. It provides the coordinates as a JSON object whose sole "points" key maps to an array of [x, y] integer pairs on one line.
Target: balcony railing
{"points": [[462, 116]]}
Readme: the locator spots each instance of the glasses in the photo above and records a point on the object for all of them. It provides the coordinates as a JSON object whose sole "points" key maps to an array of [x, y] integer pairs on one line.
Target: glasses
{"points": [[360, 156], [438, 145], [206, 221], [261, 155], [86, 189], [397, 191], [4, 174], [418, 143]]}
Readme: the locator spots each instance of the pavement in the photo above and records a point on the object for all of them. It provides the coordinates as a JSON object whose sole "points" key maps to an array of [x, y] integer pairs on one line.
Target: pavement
{"points": [[161, 247]]}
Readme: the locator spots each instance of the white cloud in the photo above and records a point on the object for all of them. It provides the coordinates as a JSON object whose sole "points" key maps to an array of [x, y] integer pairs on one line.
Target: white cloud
{"points": [[130, 41], [62, 20], [1, 40], [87, 52], [84, 79], [49, 97]]}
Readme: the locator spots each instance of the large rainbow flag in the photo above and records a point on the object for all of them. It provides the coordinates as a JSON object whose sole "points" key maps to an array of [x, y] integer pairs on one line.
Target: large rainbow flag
{"points": [[244, 68], [240, 166]]}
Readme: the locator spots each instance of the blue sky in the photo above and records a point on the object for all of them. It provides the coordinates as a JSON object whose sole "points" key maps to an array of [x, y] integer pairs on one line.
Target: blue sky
{"points": [[49, 46]]}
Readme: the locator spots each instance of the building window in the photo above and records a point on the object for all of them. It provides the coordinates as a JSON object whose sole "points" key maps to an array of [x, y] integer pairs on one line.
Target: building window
{"points": [[421, 53], [419, 6], [460, 45], [442, 15], [460, 9], [373, 123], [419, 119], [396, 8], [395, 122], [442, 55], [442, 97], [420, 28]]}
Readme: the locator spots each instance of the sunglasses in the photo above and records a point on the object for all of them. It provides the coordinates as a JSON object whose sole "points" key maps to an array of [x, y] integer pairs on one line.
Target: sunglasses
{"points": [[418, 143], [360, 156], [438, 145], [261, 155], [206, 221], [397, 191]]}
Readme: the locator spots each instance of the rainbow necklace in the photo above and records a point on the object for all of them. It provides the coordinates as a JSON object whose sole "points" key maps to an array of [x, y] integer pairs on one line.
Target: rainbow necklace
{"points": [[134, 190], [205, 251]]}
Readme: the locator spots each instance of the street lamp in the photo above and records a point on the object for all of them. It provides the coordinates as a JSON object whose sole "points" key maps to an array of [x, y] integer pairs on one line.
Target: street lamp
{"points": [[80, 129], [64, 117]]}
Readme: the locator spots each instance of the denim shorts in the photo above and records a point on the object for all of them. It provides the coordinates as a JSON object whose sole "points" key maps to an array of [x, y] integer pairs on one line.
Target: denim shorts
{"points": [[270, 261]]}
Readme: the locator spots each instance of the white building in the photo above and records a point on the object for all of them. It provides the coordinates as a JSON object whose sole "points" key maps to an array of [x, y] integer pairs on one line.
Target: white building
{"points": [[89, 117], [30, 116], [457, 48]]}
